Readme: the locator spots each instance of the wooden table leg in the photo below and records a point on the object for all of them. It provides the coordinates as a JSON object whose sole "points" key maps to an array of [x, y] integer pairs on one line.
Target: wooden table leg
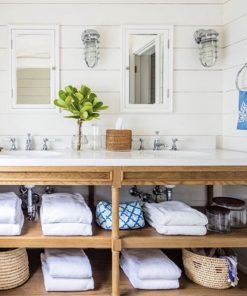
{"points": [[115, 273]]}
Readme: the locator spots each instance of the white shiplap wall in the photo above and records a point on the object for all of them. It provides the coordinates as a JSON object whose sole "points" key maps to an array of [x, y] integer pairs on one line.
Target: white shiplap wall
{"points": [[197, 91]]}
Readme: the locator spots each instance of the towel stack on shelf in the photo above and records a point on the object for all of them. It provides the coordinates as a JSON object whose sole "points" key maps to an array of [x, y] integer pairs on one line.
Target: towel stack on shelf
{"points": [[65, 214], [11, 216], [150, 269], [175, 218], [66, 270]]}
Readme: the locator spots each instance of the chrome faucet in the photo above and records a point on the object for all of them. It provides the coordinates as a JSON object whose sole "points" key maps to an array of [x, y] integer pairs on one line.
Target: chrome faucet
{"points": [[174, 145], [157, 142], [29, 142]]}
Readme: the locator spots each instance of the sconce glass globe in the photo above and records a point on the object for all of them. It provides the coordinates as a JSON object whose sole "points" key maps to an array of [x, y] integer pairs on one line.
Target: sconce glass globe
{"points": [[90, 39], [208, 46]]}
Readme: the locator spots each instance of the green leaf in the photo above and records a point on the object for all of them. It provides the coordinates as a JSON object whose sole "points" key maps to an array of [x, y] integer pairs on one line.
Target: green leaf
{"points": [[62, 95], [60, 103], [69, 89], [98, 105], [104, 107], [68, 100], [79, 96], [85, 91]]}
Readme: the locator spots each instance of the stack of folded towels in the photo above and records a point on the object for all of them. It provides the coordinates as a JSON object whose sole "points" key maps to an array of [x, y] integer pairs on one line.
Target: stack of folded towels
{"points": [[66, 270], [11, 216], [175, 218], [150, 269], [65, 214]]}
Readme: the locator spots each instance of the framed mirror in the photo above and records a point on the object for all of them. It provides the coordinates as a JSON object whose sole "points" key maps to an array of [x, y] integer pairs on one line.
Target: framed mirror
{"points": [[147, 68], [34, 66]]}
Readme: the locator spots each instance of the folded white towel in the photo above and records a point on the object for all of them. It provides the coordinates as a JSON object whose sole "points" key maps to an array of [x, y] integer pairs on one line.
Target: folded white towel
{"points": [[10, 204], [178, 230], [64, 284], [147, 284], [174, 213], [13, 229], [68, 263], [151, 264], [65, 208], [66, 229]]}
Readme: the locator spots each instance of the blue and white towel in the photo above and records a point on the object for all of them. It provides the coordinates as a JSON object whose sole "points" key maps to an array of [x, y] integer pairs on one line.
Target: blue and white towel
{"points": [[242, 117]]}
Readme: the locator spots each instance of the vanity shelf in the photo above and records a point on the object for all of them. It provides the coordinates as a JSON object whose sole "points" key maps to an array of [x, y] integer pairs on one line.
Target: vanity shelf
{"points": [[101, 265], [149, 238], [107, 282], [32, 237]]}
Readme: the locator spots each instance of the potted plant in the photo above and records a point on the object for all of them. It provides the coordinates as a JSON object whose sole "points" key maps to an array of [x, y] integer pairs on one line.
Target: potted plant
{"points": [[83, 104]]}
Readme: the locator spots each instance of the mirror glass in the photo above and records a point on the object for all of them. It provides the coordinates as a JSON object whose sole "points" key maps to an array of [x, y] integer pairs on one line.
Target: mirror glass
{"points": [[33, 59], [142, 71], [34, 75], [147, 69]]}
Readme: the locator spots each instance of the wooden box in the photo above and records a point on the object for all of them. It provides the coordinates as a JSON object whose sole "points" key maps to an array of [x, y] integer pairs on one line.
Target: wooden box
{"points": [[118, 140]]}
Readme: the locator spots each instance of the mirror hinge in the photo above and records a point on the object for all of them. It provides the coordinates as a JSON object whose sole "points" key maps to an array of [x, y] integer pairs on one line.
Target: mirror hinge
{"points": [[168, 43]]}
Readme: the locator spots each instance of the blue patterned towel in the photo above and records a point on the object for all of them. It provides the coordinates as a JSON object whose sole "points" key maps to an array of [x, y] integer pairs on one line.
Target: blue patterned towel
{"points": [[130, 215], [242, 118]]}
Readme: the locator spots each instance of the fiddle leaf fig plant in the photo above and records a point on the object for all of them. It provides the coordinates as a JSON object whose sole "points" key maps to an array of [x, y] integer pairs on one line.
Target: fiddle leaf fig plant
{"points": [[83, 104]]}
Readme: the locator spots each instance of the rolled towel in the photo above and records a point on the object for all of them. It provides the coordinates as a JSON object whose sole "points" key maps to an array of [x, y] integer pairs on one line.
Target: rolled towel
{"points": [[174, 213], [64, 284], [178, 230], [67, 229], [13, 229], [10, 204], [68, 263], [151, 265], [65, 208], [146, 284]]}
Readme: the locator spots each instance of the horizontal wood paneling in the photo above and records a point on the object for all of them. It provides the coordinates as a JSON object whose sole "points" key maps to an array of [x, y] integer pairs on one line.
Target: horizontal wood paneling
{"points": [[234, 32], [110, 14]]}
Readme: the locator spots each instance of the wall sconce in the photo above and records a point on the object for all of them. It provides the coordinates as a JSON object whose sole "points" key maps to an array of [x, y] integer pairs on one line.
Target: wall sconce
{"points": [[208, 43], [90, 39]]}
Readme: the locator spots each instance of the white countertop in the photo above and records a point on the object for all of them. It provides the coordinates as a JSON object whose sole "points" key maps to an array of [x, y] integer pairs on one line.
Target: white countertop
{"points": [[133, 158]]}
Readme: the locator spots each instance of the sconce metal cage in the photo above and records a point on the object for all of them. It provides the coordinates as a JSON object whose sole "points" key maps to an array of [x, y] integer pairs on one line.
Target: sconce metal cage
{"points": [[90, 39], [208, 42]]}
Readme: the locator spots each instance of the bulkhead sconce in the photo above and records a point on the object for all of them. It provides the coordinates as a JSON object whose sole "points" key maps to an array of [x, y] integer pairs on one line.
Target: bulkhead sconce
{"points": [[208, 45], [90, 39]]}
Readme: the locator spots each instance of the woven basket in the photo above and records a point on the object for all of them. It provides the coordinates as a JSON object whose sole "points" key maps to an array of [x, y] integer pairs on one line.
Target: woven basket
{"points": [[118, 140], [206, 271], [14, 268]]}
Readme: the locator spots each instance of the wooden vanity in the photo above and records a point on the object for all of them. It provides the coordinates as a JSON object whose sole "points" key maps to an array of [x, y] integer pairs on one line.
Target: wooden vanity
{"points": [[116, 177]]}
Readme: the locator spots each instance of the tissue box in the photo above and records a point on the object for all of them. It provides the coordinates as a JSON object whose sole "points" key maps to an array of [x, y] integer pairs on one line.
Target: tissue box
{"points": [[118, 140]]}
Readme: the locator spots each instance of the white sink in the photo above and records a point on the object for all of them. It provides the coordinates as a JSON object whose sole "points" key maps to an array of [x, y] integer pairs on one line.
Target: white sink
{"points": [[32, 153]]}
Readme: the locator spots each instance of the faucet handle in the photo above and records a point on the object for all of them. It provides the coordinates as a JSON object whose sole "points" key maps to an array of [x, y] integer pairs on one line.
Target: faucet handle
{"points": [[12, 141], [141, 144], [174, 145]]}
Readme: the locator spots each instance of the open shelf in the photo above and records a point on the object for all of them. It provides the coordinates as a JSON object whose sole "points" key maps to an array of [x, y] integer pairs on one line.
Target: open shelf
{"points": [[149, 238], [101, 265], [32, 237]]}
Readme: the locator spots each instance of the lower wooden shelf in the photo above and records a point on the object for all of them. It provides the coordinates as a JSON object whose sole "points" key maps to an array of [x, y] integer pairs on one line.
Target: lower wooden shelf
{"points": [[32, 237], [101, 264], [149, 238]]}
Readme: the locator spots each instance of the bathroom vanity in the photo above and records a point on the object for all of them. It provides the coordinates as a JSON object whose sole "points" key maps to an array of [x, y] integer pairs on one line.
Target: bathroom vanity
{"points": [[117, 169]]}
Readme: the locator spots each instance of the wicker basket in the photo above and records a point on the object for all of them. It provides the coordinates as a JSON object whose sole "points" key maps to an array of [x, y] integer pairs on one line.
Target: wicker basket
{"points": [[118, 140], [206, 271], [14, 268]]}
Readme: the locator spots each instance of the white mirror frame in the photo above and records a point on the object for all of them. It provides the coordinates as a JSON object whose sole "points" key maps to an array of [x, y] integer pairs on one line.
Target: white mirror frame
{"points": [[53, 31], [165, 81]]}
